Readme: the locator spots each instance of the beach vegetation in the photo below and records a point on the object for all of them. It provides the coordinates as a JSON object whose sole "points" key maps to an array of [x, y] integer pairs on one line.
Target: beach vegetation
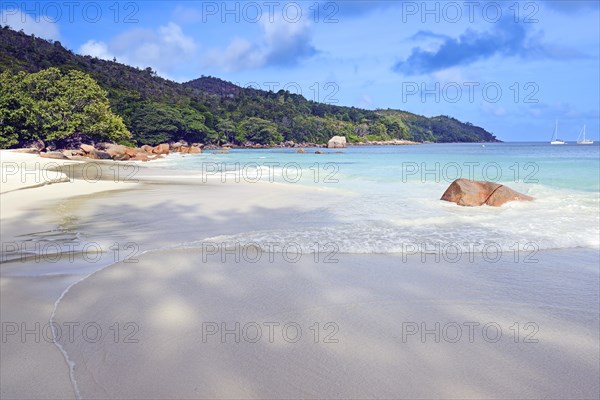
{"points": [[208, 109], [51, 105]]}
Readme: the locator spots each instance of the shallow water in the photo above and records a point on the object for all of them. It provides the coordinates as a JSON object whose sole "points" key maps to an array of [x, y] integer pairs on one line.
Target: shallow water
{"points": [[389, 195]]}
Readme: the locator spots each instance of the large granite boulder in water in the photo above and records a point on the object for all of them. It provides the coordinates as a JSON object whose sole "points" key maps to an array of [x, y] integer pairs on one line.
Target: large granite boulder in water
{"points": [[337, 142], [469, 193]]}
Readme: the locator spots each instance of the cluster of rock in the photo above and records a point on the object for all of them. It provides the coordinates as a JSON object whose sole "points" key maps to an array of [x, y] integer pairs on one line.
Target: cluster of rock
{"points": [[77, 146], [469, 193], [393, 142], [76, 149], [117, 152], [336, 142], [251, 145]]}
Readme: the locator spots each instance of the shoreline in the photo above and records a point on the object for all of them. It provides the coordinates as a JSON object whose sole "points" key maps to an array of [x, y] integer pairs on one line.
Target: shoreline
{"points": [[176, 286], [80, 155]]}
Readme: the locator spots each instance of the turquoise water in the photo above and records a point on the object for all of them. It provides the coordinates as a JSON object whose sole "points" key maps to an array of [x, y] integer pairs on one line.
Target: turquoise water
{"points": [[389, 195], [568, 166]]}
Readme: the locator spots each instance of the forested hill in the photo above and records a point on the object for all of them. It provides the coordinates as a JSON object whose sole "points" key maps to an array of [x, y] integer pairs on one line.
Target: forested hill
{"points": [[210, 110]]}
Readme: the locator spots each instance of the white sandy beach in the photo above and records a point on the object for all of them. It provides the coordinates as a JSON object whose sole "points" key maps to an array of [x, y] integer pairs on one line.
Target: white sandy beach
{"points": [[162, 301], [30, 203]]}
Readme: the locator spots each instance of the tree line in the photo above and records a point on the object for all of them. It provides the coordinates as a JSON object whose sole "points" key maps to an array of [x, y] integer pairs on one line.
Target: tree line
{"points": [[123, 103]]}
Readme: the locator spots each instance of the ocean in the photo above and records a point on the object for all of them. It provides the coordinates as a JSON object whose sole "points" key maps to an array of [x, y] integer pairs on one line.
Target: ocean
{"points": [[389, 196]]}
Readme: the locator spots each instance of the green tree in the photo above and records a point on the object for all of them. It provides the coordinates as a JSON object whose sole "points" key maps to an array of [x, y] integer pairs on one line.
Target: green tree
{"points": [[396, 128], [153, 123], [129, 88], [193, 127], [377, 131], [51, 105], [225, 132], [18, 120], [258, 130]]}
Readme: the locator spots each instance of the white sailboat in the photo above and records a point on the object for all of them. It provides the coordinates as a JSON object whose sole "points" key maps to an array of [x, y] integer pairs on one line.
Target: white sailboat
{"points": [[556, 140], [581, 138]]}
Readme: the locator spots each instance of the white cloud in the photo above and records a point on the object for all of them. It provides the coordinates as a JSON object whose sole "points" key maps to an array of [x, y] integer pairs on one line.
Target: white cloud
{"points": [[163, 49], [281, 43], [239, 54], [96, 49], [172, 35], [41, 25]]}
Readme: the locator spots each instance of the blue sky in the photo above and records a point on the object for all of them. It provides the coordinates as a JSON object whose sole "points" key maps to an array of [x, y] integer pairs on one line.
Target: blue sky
{"points": [[510, 67]]}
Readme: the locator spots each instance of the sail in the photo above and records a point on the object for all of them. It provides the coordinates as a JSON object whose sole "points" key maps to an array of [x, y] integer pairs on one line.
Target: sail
{"points": [[581, 138], [555, 139]]}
